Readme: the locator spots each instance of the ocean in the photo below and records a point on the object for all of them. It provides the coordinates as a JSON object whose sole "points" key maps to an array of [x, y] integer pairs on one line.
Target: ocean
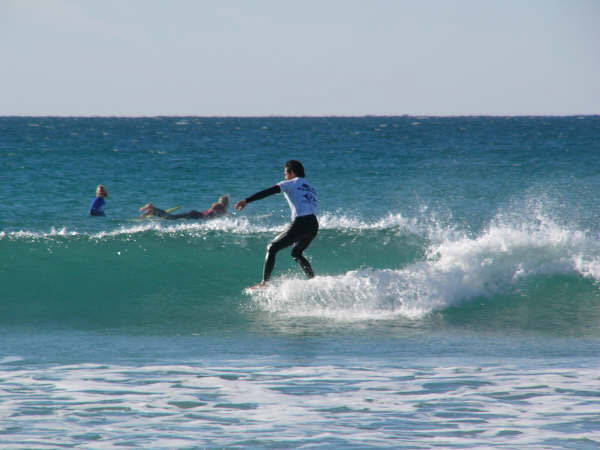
{"points": [[456, 302]]}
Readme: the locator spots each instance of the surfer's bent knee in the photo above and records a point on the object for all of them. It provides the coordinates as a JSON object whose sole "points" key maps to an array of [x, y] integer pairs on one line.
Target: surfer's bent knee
{"points": [[296, 253]]}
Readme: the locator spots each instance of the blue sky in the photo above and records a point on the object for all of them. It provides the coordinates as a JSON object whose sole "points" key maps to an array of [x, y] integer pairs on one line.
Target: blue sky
{"points": [[279, 57]]}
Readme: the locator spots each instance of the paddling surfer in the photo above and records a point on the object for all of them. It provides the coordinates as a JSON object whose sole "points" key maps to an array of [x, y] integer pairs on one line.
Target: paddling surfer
{"points": [[217, 209]]}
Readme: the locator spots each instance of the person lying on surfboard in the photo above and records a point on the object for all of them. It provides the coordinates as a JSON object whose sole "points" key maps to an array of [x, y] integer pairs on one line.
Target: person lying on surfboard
{"points": [[217, 209], [302, 198]]}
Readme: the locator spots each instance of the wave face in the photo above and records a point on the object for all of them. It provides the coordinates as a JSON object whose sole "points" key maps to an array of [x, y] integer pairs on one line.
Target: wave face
{"points": [[192, 276], [427, 222]]}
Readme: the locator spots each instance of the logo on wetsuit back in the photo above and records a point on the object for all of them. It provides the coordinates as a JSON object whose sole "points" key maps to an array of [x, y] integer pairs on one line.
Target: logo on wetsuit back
{"points": [[309, 193]]}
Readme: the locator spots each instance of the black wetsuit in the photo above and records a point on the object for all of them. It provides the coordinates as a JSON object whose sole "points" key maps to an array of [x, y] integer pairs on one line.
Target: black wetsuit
{"points": [[193, 214], [301, 231]]}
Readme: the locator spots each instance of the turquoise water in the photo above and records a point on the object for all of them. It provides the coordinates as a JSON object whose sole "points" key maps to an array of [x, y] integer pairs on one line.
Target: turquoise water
{"points": [[456, 302]]}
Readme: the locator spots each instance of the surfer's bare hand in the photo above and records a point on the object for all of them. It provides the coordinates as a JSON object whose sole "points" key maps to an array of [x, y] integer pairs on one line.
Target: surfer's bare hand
{"points": [[240, 205]]}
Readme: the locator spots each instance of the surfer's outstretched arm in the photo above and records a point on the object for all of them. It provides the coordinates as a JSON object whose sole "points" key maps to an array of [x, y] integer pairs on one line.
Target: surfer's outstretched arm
{"points": [[262, 194]]}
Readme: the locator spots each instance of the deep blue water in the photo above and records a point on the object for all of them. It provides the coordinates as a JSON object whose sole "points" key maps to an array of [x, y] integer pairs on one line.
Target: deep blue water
{"points": [[456, 301]]}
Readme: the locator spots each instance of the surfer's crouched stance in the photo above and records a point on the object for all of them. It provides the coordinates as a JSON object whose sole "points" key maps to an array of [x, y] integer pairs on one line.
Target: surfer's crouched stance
{"points": [[302, 198], [217, 209]]}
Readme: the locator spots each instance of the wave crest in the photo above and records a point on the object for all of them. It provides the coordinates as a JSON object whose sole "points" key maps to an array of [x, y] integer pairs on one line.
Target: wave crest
{"points": [[456, 270]]}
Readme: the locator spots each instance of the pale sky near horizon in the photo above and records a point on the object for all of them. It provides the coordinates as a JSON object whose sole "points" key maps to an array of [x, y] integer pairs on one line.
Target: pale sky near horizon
{"points": [[279, 57]]}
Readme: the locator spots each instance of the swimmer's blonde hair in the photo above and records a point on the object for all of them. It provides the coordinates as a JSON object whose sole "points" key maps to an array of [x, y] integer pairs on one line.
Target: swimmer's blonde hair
{"points": [[222, 203]]}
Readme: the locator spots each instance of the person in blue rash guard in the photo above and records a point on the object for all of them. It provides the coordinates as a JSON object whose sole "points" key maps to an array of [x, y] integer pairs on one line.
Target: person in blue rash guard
{"points": [[97, 206], [302, 198]]}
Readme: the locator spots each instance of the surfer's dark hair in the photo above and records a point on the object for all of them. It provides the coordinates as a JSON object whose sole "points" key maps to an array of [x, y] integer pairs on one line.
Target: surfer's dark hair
{"points": [[296, 167]]}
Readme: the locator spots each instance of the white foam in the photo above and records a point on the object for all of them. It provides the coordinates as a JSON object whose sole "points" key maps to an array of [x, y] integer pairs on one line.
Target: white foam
{"points": [[199, 403], [11, 359], [24, 234], [355, 295], [345, 222], [231, 224], [235, 224], [458, 268]]}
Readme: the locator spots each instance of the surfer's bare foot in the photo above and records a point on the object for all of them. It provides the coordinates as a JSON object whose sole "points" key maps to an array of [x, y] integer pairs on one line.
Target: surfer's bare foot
{"points": [[262, 284]]}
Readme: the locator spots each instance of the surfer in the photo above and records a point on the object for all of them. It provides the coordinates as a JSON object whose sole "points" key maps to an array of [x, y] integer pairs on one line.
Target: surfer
{"points": [[302, 198], [217, 209], [97, 206]]}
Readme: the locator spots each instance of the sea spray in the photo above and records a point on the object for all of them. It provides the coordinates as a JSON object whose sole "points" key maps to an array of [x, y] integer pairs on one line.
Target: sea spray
{"points": [[454, 271]]}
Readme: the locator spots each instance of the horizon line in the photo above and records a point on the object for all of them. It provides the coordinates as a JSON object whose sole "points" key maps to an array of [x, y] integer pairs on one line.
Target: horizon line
{"points": [[284, 116]]}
